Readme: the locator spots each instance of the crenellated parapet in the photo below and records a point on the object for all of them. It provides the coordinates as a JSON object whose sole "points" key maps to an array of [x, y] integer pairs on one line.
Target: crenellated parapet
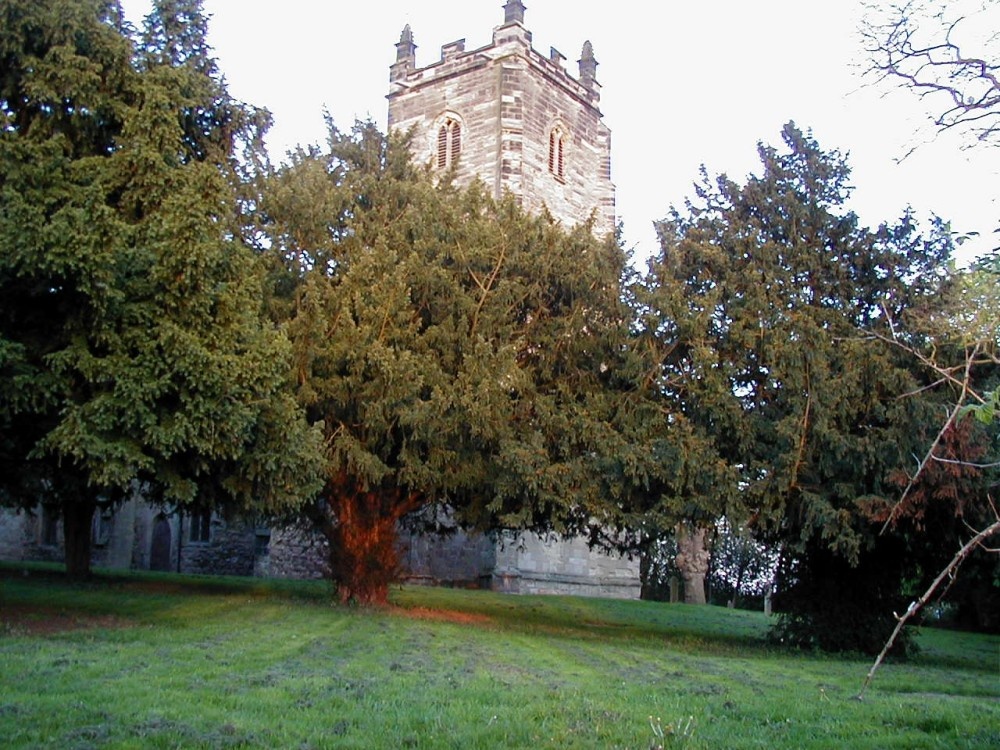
{"points": [[510, 38], [515, 118]]}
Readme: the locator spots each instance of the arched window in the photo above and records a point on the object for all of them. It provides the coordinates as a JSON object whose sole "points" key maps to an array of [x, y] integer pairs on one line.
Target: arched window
{"points": [[557, 153], [449, 142], [201, 526]]}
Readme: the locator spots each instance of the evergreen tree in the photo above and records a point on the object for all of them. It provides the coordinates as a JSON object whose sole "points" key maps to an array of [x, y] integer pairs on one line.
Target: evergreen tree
{"points": [[215, 126], [761, 303], [456, 350], [132, 341]]}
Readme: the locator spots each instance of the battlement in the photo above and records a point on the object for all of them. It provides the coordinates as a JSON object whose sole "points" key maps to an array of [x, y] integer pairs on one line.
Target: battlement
{"points": [[512, 38], [515, 118]]}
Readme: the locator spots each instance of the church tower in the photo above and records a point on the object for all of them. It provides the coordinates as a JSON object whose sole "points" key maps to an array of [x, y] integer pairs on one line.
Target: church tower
{"points": [[513, 117]]}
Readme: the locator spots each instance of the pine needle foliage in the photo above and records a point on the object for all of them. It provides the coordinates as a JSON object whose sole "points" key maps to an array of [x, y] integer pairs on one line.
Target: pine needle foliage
{"points": [[764, 302], [133, 345], [457, 350]]}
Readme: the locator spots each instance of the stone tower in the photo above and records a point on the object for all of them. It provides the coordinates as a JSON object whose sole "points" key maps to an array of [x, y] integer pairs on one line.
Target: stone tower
{"points": [[513, 117]]}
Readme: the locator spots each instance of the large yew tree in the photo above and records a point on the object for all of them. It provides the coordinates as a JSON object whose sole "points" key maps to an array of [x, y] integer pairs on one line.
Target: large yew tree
{"points": [[457, 351], [766, 301], [133, 347]]}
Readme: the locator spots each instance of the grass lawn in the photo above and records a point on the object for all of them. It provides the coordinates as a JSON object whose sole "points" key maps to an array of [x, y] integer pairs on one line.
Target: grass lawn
{"points": [[159, 661]]}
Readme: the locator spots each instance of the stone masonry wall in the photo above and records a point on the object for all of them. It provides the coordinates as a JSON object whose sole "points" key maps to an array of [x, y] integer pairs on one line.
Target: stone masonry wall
{"points": [[113, 537], [295, 552], [458, 558], [123, 540], [467, 87], [21, 537], [15, 534], [230, 551], [532, 564]]}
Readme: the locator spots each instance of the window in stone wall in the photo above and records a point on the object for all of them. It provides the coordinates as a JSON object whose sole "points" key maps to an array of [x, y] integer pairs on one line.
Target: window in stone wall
{"points": [[49, 531], [557, 153], [100, 531], [449, 142], [201, 526]]}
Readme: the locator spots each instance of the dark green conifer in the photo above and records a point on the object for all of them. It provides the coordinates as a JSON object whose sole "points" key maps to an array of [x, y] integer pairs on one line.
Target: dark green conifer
{"points": [[762, 301], [132, 342], [457, 350]]}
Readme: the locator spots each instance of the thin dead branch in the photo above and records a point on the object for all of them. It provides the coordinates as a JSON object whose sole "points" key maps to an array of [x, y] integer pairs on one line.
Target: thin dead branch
{"points": [[956, 462], [918, 604], [937, 65]]}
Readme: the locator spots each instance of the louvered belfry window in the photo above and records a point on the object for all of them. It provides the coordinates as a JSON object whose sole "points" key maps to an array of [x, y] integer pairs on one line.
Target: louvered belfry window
{"points": [[556, 153], [449, 143]]}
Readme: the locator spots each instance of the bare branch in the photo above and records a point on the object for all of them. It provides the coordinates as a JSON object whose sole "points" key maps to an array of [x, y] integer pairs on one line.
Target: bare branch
{"points": [[918, 391], [947, 373], [901, 50], [966, 463], [918, 604]]}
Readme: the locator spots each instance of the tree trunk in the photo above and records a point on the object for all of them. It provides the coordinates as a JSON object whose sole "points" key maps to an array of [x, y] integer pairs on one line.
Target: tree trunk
{"points": [[362, 531], [77, 518], [692, 561], [738, 586]]}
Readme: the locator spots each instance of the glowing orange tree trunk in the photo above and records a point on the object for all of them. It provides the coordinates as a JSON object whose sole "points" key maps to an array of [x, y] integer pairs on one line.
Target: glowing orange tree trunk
{"points": [[362, 531]]}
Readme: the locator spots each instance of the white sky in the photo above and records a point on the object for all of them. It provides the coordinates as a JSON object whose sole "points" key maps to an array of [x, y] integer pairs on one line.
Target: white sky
{"points": [[683, 83]]}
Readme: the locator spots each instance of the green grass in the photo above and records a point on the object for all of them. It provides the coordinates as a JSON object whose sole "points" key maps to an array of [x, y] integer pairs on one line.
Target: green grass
{"points": [[146, 660]]}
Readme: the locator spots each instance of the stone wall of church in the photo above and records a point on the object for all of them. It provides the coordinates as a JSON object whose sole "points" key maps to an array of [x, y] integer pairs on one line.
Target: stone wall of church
{"points": [[113, 536], [35, 535], [455, 558], [533, 564], [539, 96], [465, 86], [294, 552], [15, 534], [231, 550], [138, 536]]}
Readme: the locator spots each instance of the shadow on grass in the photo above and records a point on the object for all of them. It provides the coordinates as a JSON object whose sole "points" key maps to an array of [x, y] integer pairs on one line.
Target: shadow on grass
{"points": [[150, 597], [139, 596], [703, 629]]}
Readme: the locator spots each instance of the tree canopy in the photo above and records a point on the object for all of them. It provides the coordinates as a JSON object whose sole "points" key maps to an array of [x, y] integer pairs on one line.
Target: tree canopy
{"points": [[132, 338], [456, 350], [355, 339], [764, 302]]}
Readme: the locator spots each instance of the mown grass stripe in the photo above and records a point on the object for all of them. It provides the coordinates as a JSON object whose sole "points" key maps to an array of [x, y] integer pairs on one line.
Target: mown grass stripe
{"points": [[147, 660]]}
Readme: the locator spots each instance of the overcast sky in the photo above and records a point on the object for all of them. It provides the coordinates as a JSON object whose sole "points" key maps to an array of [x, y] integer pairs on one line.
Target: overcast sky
{"points": [[683, 84]]}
